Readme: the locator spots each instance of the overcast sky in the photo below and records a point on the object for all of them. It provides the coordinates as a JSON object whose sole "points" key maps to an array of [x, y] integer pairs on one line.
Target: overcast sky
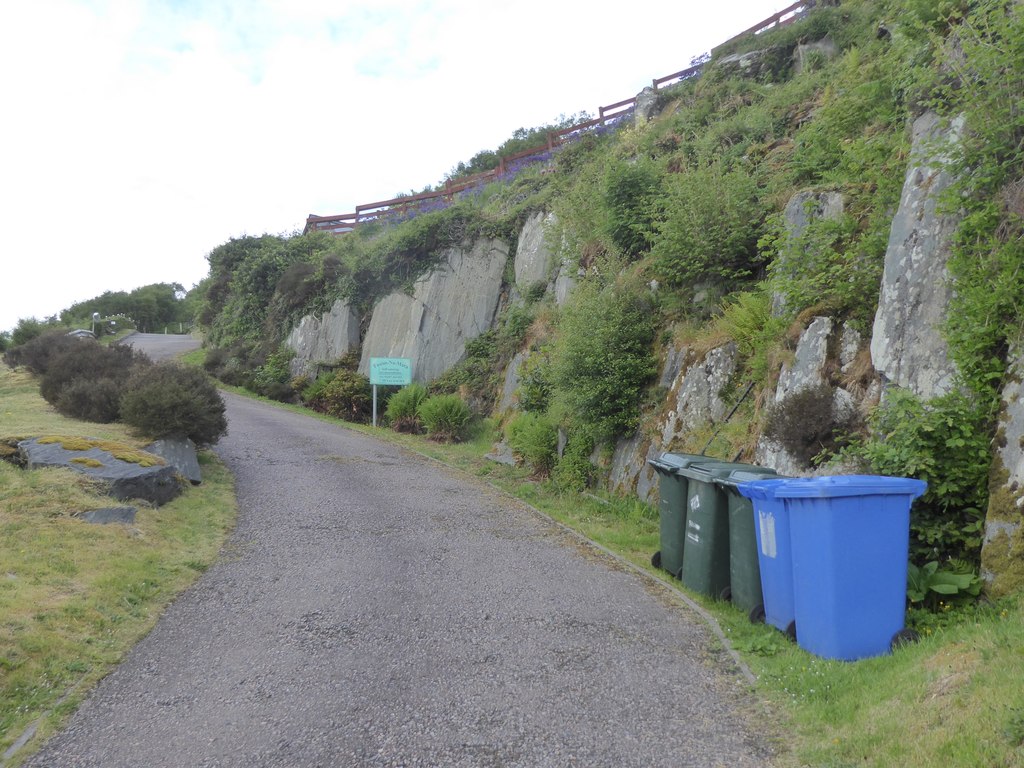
{"points": [[137, 135]]}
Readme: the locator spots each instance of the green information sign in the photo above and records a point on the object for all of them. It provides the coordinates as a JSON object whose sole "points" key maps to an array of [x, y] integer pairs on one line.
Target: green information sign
{"points": [[391, 371]]}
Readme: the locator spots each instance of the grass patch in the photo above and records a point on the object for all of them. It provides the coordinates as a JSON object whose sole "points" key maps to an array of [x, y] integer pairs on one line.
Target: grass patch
{"points": [[75, 597]]}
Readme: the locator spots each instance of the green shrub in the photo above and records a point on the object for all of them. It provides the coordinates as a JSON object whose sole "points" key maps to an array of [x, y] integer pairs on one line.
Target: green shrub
{"points": [[96, 400], [604, 358], [944, 442], [534, 391], [629, 193], [574, 471], [272, 379], [445, 417], [533, 438], [345, 394], [709, 223], [168, 399], [402, 411]]}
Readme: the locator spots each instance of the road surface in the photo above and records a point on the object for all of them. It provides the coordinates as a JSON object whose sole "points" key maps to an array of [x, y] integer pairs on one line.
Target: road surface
{"points": [[374, 608]]}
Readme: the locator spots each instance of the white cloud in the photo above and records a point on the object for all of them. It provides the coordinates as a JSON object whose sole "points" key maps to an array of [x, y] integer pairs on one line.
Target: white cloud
{"points": [[139, 134]]}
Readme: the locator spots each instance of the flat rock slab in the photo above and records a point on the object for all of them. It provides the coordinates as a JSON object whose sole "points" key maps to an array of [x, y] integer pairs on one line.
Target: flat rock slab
{"points": [[180, 453], [125, 480], [123, 515]]}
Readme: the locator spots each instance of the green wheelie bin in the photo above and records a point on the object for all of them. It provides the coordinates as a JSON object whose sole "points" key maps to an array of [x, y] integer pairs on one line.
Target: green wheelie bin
{"points": [[744, 566], [706, 545], [672, 488]]}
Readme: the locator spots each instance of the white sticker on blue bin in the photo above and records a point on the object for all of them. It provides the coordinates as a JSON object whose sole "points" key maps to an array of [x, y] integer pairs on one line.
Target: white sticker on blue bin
{"points": [[766, 521]]}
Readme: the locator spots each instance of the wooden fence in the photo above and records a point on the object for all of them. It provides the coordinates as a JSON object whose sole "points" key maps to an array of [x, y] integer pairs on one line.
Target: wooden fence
{"points": [[368, 212]]}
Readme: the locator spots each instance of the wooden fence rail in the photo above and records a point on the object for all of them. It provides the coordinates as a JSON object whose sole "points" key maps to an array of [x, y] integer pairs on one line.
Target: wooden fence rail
{"points": [[346, 222]]}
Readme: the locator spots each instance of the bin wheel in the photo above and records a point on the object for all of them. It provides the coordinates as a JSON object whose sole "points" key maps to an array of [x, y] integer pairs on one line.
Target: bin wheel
{"points": [[757, 614], [791, 630], [725, 594], [902, 638], [656, 559]]}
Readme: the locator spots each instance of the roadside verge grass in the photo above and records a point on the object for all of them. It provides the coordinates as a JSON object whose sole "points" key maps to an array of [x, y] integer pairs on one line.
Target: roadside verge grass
{"points": [[75, 597]]}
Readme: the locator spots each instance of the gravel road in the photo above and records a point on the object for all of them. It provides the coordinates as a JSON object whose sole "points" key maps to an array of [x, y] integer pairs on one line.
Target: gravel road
{"points": [[374, 608]]}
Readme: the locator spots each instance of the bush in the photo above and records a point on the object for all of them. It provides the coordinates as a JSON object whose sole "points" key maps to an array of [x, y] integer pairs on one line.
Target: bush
{"points": [[36, 353], [86, 361], [944, 442], [807, 424], [534, 439], [574, 471], [96, 400], [709, 226], [345, 395], [629, 193], [445, 417], [403, 408], [272, 379], [167, 399], [604, 358]]}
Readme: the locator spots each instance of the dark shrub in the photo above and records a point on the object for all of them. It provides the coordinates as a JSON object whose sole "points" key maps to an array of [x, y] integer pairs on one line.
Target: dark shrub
{"points": [[96, 400], [36, 353], [347, 395], [167, 399], [87, 361], [807, 423]]}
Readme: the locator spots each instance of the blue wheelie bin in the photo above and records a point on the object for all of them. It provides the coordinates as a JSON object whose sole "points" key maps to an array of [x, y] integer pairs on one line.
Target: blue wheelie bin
{"points": [[774, 552], [850, 536]]}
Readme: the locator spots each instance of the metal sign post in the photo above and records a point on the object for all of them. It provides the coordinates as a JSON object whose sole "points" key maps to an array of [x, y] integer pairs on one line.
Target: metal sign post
{"points": [[389, 372]]}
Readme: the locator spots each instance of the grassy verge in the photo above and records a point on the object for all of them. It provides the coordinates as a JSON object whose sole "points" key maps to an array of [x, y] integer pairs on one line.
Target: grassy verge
{"points": [[73, 596], [956, 698]]}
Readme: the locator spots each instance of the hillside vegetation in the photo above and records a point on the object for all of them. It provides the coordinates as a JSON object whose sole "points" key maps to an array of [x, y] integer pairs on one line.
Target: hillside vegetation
{"points": [[676, 229]]}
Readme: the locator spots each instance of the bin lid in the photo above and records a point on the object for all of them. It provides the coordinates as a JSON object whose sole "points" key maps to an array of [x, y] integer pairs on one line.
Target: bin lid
{"points": [[672, 462], [761, 488], [830, 486], [712, 470], [745, 474]]}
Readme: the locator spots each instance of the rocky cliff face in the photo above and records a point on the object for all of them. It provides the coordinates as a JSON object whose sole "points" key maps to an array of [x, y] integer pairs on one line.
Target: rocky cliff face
{"points": [[324, 338], [449, 306], [907, 347], [1002, 556]]}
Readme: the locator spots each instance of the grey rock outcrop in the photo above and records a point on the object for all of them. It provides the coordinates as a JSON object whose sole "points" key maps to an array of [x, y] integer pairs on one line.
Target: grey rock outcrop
{"points": [[629, 471], [180, 453], [508, 391], [807, 370], [806, 53], [123, 480], [698, 393], [647, 104], [451, 305], [535, 258], [323, 339], [907, 347], [803, 208], [809, 363], [565, 281], [751, 64], [1002, 554]]}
